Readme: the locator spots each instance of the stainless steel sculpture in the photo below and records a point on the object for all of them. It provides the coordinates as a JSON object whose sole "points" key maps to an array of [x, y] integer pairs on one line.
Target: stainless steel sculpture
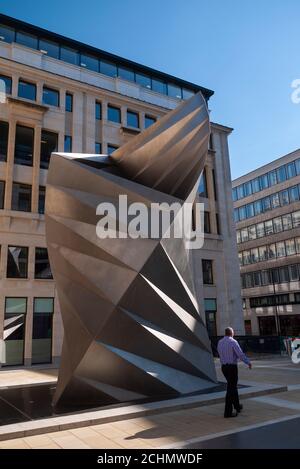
{"points": [[132, 328]]}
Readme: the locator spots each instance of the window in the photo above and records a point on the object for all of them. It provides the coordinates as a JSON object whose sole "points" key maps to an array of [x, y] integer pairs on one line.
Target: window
{"points": [[283, 274], [268, 227], [290, 247], [242, 213], [277, 224], [203, 185], [247, 188], [275, 200], [296, 219], [17, 262], [27, 40], [271, 251], [42, 194], [49, 143], [186, 94], [244, 234], [260, 230], [149, 121], [266, 204], [281, 174], [252, 232], [264, 181], [294, 194], [68, 144], [207, 271], [246, 257], [238, 236], [14, 330], [69, 55], [69, 102], [254, 255], [133, 119], [287, 222], [267, 325], [174, 91], [7, 84], [125, 73], [257, 207], [297, 241], [263, 253], [113, 114], [234, 194], [272, 178], [297, 165], [159, 86], [210, 307], [206, 222], [108, 68], [111, 148], [280, 249], [255, 185], [240, 191], [98, 148], [50, 96], [42, 330], [143, 80], [50, 48], [3, 140], [250, 210], [293, 273], [42, 268], [90, 62], [27, 90], [7, 34], [21, 197], [236, 215], [2, 192], [289, 325], [291, 170], [284, 197], [248, 280], [98, 111]]}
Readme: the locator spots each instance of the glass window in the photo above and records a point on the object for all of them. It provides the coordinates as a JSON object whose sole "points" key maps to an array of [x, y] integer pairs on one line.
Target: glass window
{"points": [[42, 330], [24, 145], [277, 224], [275, 200], [210, 307], [42, 194], [246, 257], [240, 191], [27, 40], [3, 140], [263, 253], [7, 34], [69, 102], [293, 273], [266, 204], [254, 255], [125, 73], [256, 279], [257, 207], [280, 249], [297, 165], [21, 197], [238, 236], [247, 188], [114, 114], [50, 48], [17, 262], [49, 144], [207, 271], [260, 230], [267, 325], [264, 181], [240, 255], [290, 247], [250, 210], [133, 119], [284, 197], [143, 80], [186, 94], [42, 265], [68, 144], [234, 194], [287, 222], [281, 174], [149, 121], [111, 148], [7, 84], [269, 227], [206, 222], [296, 219], [284, 274], [108, 68], [294, 194], [255, 185], [90, 62], [98, 111], [265, 277], [272, 178], [27, 90], [244, 234], [271, 251], [98, 148], [202, 190], [291, 170], [69, 55], [297, 242], [242, 212], [14, 330], [249, 280], [50, 96], [174, 91], [252, 232], [236, 216], [159, 86], [2, 191]]}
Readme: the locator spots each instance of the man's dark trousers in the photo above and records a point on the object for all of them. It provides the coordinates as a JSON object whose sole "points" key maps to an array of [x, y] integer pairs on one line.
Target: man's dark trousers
{"points": [[232, 397]]}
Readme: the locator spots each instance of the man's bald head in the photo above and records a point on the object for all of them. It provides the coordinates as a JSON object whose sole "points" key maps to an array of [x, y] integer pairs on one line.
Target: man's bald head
{"points": [[229, 332]]}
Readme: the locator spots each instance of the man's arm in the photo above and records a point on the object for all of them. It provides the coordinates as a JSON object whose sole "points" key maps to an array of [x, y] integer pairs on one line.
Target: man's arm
{"points": [[239, 352]]}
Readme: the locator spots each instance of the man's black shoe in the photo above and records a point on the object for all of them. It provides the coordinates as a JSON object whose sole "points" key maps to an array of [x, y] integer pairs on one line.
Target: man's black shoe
{"points": [[234, 414], [240, 408]]}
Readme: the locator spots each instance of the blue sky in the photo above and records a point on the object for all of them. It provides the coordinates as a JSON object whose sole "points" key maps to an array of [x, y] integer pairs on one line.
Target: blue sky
{"points": [[247, 51]]}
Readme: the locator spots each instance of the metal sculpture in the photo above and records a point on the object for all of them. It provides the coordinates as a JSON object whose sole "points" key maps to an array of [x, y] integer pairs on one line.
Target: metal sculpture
{"points": [[132, 328]]}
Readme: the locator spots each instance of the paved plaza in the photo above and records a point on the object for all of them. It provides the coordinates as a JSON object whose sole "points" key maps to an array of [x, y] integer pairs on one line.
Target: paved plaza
{"points": [[267, 421]]}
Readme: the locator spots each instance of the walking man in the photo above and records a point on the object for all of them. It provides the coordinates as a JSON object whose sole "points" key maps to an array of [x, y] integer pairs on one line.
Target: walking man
{"points": [[229, 352]]}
